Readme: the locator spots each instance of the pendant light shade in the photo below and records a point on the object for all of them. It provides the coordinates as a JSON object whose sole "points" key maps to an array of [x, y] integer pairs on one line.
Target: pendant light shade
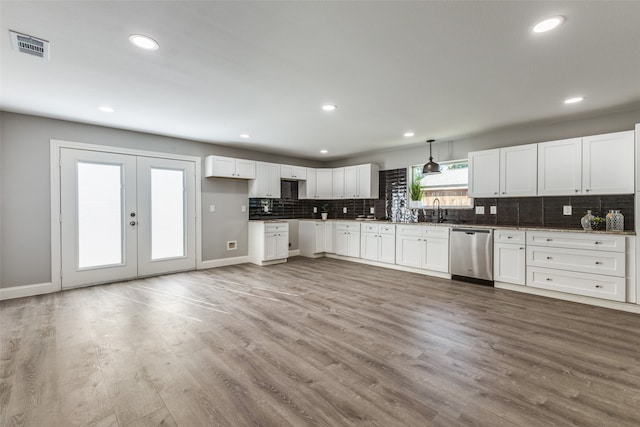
{"points": [[431, 167]]}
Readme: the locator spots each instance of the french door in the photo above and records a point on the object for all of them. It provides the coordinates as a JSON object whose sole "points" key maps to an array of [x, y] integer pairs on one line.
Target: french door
{"points": [[124, 216]]}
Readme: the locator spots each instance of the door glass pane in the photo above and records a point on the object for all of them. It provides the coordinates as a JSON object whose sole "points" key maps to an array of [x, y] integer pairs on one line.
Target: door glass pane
{"points": [[99, 214], [167, 213]]}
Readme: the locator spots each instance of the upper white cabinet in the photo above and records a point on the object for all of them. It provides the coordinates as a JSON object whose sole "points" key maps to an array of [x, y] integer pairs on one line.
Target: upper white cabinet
{"points": [[319, 184], [338, 183], [267, 181], [297, 173], [361, 182], [484, 173], [560, 167], [608, 163], [518, 171], [227, 167]]}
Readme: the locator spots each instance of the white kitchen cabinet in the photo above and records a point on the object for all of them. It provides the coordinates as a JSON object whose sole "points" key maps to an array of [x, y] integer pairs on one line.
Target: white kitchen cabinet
{"points": [[608, 163], [315, 238], [378, 242], [484, 173], [560, 167], [338, 183], [290, 172], [347, 239], [519, 171], [424, 247], [324, 183], [267, 181], [268, 242], [361, 181], [579, 263], [228, 167], [509, 256], [308, 189]]}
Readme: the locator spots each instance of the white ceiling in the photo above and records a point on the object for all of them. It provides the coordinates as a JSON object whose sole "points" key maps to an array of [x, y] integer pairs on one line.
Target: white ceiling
{"points": [[441, 69]]}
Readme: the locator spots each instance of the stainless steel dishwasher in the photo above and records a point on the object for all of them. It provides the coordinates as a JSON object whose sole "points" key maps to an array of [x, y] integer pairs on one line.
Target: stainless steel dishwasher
{"points": [[472, 253]]}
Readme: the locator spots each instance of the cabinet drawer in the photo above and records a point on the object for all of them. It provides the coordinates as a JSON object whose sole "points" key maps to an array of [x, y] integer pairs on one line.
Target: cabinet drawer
{"points": [[275, 227], [410, 230], [598, 262], [348, 226], [436, 232], [601, 242], [370, 228], [509, 236], [387, 229], [591, 285]]}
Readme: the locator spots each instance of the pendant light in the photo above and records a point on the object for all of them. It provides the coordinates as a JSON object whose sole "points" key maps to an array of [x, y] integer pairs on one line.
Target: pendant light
{"points": [[431, 167]]}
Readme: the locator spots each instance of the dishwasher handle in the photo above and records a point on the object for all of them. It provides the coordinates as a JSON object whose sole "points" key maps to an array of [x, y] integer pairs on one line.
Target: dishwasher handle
{"points": [[470, 231]]}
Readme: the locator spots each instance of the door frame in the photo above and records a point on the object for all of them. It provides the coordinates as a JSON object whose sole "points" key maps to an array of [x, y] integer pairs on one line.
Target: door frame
{"points": [[54, 163]]}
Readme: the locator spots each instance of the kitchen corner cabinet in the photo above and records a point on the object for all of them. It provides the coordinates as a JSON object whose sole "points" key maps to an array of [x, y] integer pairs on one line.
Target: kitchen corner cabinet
{"points": [[608, 163], [338, 184], [519, 171], [423, 247], [319, 184], [347, 239], [361, 182], [267, 181], [378, 242], [228, 167], [484, 173], [560, 167], [293, 173], [268, 242], [316, 238], [509, 256]]}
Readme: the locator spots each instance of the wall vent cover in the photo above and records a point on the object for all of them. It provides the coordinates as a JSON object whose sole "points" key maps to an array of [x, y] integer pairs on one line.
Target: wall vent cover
{"points": [[30, 45]]}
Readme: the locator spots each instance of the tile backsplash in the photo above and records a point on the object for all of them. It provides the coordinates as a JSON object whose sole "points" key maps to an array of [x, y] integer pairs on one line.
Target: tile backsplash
{"points": [[517, 211]]}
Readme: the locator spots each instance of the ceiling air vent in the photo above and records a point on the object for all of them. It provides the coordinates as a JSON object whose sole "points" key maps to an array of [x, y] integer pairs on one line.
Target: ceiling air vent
{"points": [[29, 45]]}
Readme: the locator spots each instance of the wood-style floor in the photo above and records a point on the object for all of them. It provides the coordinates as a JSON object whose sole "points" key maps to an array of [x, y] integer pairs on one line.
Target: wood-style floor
{"points": [[314, 342]]}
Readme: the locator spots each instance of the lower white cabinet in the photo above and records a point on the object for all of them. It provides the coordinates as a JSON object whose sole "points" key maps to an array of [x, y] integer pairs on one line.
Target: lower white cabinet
{"points": [[378, 242], [509, 256], [347, 239], [268, 242], [315, 238], [592, 265], [424, 247]]}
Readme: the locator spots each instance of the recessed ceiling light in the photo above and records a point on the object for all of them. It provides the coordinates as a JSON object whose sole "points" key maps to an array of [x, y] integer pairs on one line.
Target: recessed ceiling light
{"points": [[143, 42], [106, 109], [324, 151], [408, 134], [548, 24], [574, 100], [329, 107], [244, 135]]}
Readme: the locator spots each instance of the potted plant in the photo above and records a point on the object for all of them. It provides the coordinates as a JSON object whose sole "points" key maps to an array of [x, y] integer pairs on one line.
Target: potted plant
{"points": [[597, 223], [324, 211], [415, 192]]}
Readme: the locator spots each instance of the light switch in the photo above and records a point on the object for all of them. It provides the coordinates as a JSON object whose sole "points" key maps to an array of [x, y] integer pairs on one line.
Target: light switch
{"points": [[344, 210], [372, 210], [315, 209], [212, 208], [493, 210], [566, 210], [479, 210], [243, 208], [266, 208]]}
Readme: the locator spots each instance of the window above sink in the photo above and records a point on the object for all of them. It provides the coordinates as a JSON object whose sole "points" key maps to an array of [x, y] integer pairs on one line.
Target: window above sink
{"points": [[450, 187]]}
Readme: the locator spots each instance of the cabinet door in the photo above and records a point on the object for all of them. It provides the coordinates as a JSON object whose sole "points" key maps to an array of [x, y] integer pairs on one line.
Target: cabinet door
{"points": [[608, 163], [436, 254], [351, 182], [300, 173], [274, 181], [220, 166], [307, 189], [282, 245], [342, 242], [370, 246], [320, 237], [324, 183], [338, 183], [560, 167], [364, 182], [330, 237], [509, 263], [270, 246], [354, 244], [387, 248], [259, 187], [484, 173], [519, 171], [245, 169], [286, 172], [409, 250]]}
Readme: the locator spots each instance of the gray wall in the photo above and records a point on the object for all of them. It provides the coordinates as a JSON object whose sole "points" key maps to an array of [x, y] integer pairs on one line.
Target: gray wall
{"points": [[514, 135], [25, 243]]}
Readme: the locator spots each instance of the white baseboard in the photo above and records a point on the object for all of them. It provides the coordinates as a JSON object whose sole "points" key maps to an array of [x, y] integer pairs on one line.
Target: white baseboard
{"points": [[294, 252], [27, 290], [222, 262], [392, 266], [622, 306]]}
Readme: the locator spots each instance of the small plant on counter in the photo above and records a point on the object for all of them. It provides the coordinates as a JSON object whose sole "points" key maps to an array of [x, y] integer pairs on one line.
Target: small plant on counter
{"points": [[325, 208], [597, 223]]}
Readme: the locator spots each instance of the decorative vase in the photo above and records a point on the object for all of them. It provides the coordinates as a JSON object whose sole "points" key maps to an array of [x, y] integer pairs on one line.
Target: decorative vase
{"points": [[324, 215], [615, 221], [585, 221]]}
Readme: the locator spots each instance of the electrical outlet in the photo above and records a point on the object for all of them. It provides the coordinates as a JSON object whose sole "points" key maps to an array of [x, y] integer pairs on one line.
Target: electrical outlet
{"points": [[493, 210], [266, 208], [344, 210], [212, 208], [243, 208], [566, 210], [479, 210], [372, 210], [315, 209]]}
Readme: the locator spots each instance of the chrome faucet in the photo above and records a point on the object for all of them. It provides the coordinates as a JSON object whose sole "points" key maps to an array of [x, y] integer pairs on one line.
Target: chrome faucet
{"points": [[437, 210]]}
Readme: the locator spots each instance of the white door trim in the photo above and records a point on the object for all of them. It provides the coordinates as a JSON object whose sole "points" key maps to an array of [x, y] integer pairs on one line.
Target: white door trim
{"points": [[54, 162]]}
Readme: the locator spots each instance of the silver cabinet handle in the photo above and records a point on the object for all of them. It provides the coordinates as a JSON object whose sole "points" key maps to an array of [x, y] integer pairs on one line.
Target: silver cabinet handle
{"points": [[598, 263], [598, 286], [132, 223], [548, 279]]}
